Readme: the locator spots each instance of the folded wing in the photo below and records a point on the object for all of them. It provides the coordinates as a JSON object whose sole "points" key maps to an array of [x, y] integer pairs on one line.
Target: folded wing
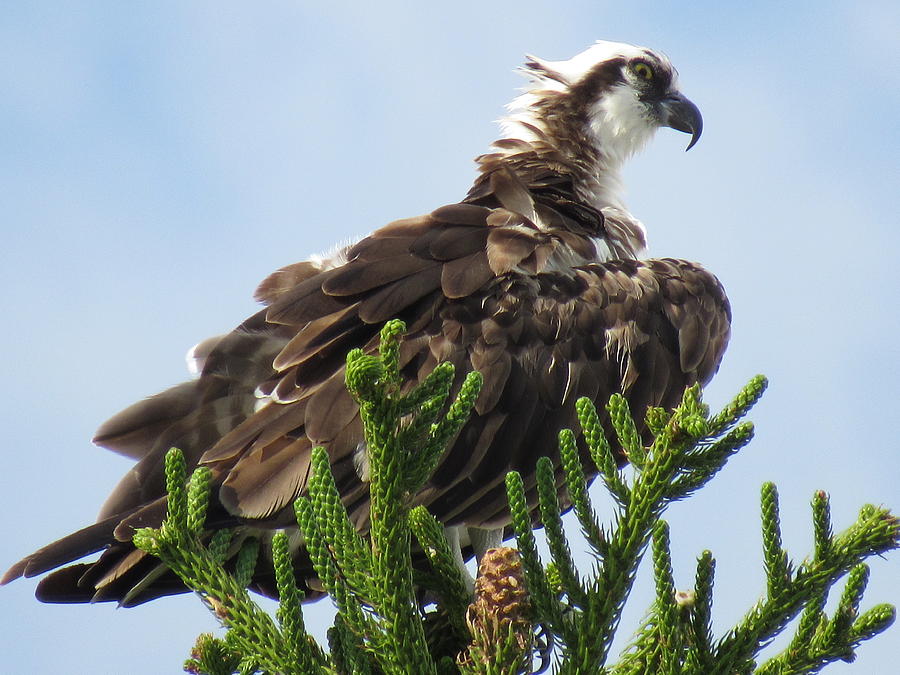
{"points": [[504, 288]]}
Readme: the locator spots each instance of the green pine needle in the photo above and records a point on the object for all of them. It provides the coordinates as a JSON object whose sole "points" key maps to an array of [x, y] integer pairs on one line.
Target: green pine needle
{"points": [[601, 453], [577, 488], [739, 406], [454, 594], [700, 651], [556, 538], [626, 430], [774, 556]]}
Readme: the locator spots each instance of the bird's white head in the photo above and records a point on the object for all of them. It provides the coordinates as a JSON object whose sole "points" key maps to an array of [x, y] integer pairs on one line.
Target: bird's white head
{"points": [[593, 111], [613, 95]]}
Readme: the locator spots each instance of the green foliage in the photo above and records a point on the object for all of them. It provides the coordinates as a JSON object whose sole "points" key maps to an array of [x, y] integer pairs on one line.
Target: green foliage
{"points": [[371, 580], [253, 634], [688, 449], [523, 610], [448, 581]]}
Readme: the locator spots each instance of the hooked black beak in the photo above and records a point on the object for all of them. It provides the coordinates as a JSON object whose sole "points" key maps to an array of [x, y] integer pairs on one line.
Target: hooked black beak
{"points": [[681, 114]]}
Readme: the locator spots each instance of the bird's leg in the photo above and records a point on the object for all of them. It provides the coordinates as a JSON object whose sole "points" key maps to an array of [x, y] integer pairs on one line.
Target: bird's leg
{"points": [[483, 539], [479, 538], [453, 539]]}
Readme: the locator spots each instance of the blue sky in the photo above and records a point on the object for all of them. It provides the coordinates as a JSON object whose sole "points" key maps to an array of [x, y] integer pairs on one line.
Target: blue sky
{"points": [[158, 160]]}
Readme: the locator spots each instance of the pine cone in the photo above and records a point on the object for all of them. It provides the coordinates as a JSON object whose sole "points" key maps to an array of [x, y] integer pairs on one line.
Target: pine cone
{"points": [[499, 617]]}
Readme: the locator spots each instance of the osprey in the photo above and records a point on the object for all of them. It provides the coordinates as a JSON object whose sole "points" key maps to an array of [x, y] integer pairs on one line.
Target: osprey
{"points": [[534, 279]]}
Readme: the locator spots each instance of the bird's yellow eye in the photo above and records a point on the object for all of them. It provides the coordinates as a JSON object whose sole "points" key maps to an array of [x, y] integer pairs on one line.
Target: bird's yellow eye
{"points": [[643, 71]]}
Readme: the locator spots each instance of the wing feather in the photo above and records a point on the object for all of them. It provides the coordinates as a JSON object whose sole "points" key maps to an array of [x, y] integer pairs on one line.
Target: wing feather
{"points": [[358, 276], [268, 479], [393, 299], [464, 276]]}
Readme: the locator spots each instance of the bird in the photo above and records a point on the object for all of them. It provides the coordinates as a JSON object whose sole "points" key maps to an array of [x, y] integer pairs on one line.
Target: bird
{"points": [[536, 279]]}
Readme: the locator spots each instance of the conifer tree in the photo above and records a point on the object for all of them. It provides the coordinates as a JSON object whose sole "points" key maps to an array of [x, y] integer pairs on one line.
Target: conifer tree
{"points": [[526, 615]]}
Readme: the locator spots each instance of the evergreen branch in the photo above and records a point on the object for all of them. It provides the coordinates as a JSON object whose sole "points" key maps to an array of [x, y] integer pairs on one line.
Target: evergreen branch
{"points": [[739, 406], [392, 567], [659, 645], [417, 432], [828, 641], [691, 417], [364, 375], [395, 472], [700, 655], [650, 491], [702, 463], [687, 450], [838, 629], [251, 630], [348, 548], [548, 501], [211, 656], [447, 428], [544, 601], [246, 562], [347, 651], [576, 485], [822, 531], [389, 354], [774, 556], [380, 627], [424, 403], [451, 587], [219, 544], [626, 430], [601, 453], [326, 569], [303, 650], [876, 531], [371, 580], [175, 526], [871, 623], [656, 419], [290, 614], [667, 612], [198, 500], [435, 386], [811, 622]]}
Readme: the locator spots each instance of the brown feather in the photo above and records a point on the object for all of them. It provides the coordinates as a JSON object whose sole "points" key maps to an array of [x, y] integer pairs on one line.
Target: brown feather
{"points": [[458, 242], [513, 194], [394, 299], [133, 430], [507, 248], [464, 276], [285, 279], [329, 410], [460, 214], [317, 335], [359, 277], [267, 480]]}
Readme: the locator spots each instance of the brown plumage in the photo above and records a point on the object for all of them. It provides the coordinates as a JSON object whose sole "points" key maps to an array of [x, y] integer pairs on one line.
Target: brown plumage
{"points": [[532, 280]]}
